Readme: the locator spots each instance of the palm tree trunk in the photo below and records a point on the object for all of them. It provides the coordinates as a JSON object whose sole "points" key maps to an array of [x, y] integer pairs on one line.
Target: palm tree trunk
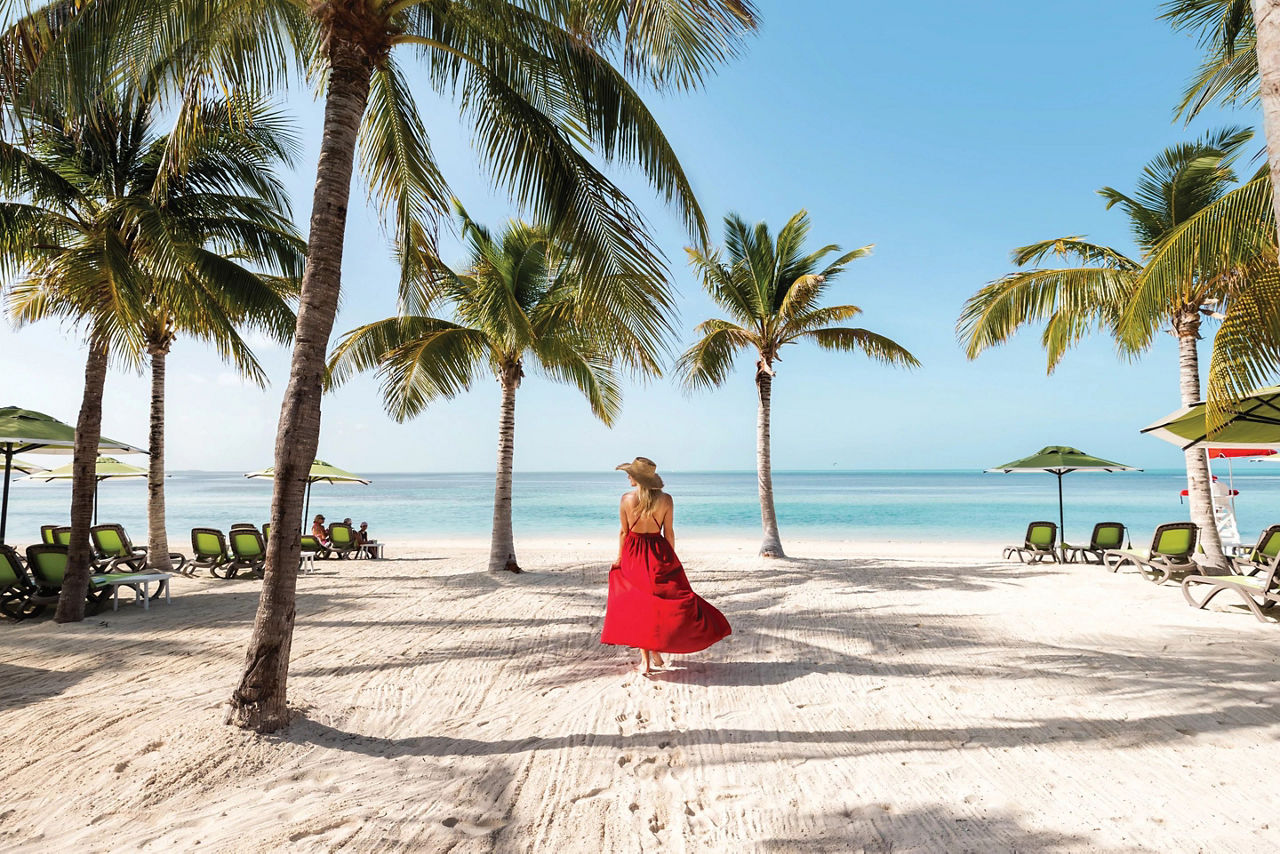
{"points": [[772, 545], [157, 538], [259, 701], [1199, 480], [502, 546], [75, 584], [1266, 18]]}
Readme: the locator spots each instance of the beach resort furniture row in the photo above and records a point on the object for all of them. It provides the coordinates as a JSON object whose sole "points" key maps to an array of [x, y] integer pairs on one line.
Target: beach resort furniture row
{"points": [[27, 588], [1253, 577], [244, 549], [112, 548], [1041, 544]]}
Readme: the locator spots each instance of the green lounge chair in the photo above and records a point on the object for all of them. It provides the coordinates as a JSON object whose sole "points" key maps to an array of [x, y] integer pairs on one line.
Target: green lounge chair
{"points": [[342, 540], [46, 535], [266, 532], [112, 548], [1172, 548], [1259, 593], [248, 551], [1106, 535], [1038, 545], [209, 550], [48, 566], [311, 544], [61, 536], [1262, 555], [17, 591]]}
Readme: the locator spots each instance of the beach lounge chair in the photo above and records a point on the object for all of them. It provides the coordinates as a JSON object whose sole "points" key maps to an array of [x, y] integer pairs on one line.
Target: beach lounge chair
{"points": [[209, 550], [112, 548], [48, 566], [17, 591], [266, 532], [1259, 593], [1106, 535], [1172, 548], [1038, 545], [61, 536], [46, 535], [1261, 555], [311, 544], [248, 551], [342, 540]]}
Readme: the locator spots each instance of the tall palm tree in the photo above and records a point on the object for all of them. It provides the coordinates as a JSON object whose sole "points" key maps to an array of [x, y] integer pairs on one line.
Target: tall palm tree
{"points": [[521, 301], [1102, 289], [1241, 39], [539, 83], [772, 292], [131, 234]]}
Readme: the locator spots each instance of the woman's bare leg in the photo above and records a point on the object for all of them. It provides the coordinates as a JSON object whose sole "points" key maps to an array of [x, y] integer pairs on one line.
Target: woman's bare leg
{"points": [[656, 658], [644, 662]]}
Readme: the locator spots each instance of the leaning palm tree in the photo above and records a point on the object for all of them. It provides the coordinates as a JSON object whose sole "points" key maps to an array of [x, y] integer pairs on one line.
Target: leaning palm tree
{"points": [[135, 237], [547, 87], [1102, 289], [772, 292], [522, 301]]}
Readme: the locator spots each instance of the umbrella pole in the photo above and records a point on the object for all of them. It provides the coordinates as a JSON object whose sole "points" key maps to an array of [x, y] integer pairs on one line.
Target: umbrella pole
{"points": [[4, 507], [306, 514], [1062, 525], [96, 483]]}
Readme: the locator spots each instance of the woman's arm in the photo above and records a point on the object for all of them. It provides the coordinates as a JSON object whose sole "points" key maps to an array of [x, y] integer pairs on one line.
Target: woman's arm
{"points": [[622, 528], [669, 529]]}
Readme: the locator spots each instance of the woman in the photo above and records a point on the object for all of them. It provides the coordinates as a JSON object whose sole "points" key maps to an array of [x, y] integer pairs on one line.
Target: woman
{"points": [[319, 531], [651, 605]]}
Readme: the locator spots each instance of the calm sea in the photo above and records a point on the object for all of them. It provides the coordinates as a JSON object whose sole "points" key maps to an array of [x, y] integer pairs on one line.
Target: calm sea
{"points": [[913, 505]]}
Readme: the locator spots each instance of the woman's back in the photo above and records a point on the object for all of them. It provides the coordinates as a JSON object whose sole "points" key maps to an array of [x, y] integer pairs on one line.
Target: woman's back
{"points": [[639, 521]]}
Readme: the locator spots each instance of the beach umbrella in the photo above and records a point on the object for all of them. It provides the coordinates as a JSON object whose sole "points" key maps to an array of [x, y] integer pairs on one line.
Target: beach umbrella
{"points": [[1060, 460], [1252, 422], [321, 472], [24, 467], [105, 468], [25, 431]]}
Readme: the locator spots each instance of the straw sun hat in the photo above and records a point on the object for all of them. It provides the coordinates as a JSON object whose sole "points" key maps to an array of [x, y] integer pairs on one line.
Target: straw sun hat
{"points": [[644, 471]]}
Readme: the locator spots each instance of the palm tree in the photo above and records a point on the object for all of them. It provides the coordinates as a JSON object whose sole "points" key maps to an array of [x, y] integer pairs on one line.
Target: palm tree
{"points": [[535, 79], [136, 237], [1242, 65], [1229, 73], [1103, 289], [771, 291], [521, 301]]}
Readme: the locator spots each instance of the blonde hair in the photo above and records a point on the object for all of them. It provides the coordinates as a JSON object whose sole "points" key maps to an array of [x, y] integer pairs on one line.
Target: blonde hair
{"points": [[647, 499]]}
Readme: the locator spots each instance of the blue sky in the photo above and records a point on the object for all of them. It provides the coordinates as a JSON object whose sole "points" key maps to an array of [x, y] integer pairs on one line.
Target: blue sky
{"points": [[944, 133]]}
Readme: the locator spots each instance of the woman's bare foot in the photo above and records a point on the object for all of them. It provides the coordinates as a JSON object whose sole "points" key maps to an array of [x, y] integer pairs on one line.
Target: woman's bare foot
{"points": [[645, 667], [656, 658]]}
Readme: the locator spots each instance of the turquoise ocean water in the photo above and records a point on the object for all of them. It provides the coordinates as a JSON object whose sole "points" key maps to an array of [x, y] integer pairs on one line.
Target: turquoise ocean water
{"points": [[913, 505]]}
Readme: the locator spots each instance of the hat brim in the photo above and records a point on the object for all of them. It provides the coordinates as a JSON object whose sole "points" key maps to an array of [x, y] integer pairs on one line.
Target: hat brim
{"points": [[651, 481]]}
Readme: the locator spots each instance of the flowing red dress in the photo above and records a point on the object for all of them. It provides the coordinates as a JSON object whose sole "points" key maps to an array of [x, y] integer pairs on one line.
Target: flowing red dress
{"points": [[651, 605]]}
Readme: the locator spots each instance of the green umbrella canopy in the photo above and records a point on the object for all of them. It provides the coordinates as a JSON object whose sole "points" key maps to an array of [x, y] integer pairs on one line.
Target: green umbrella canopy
{"points": [[1060, 460], [24, 467], [105, 468], [1252, 422], [321, 472], [25, 431]]}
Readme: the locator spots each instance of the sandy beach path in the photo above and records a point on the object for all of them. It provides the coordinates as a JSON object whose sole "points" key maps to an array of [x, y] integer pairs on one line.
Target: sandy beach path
{"points": [[871, 699]]}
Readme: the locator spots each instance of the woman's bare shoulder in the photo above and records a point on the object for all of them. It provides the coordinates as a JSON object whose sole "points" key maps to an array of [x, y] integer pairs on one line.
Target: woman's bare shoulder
{"points": [[628, 498]]}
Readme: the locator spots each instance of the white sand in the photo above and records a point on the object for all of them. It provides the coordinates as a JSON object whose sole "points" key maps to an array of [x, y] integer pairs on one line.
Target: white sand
{"points": [[867, 701]]}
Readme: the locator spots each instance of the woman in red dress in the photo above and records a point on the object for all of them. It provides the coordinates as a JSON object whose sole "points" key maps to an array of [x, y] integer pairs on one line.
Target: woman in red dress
{"points": [[651, 605]]}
